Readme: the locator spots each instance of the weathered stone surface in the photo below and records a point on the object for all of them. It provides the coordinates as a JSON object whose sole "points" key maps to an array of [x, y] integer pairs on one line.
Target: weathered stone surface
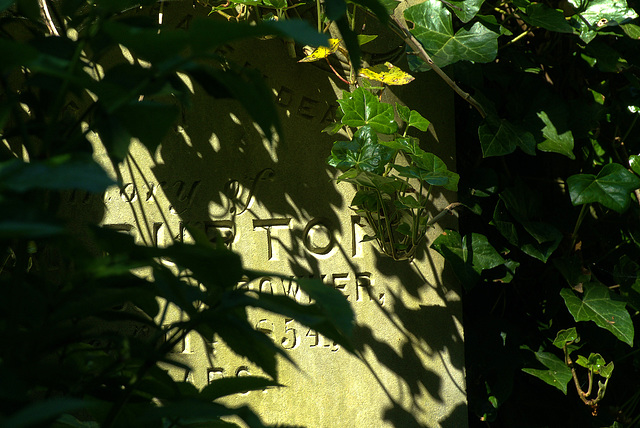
{"points": [[277, 204]]}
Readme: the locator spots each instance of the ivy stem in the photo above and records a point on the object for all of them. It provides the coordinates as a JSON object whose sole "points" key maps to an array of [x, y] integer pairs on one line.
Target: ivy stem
{"points": [[449, 208], [417, 46], [518, 37], [574, 234], [590, 375]]}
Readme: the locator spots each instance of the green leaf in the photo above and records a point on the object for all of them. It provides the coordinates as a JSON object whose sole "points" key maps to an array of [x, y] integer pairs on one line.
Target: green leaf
{"points": [[390, 5], [361, 107], [409, 202], [611, 187], [366, 38], [541, 15], [5, 4], [558, 373], [466, 9], [374, 6], [434, 29], [148, 121], [44, 411], [554, 142], [535, 238], [59, 173], [615, 12], [417, 121], [565, 337], [631, 30], [598, 306], [389, 185], [594, 363], [29, 229], [404, 112], [498, 137], [224, 387], [363, 153], [634, 163], [469, 256], [206, 35]]}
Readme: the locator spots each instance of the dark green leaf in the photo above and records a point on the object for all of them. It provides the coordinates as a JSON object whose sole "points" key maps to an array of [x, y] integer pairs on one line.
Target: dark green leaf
{"points": [[434, 29], [466, 9], [61, 172], [565, 337], [206, 35], [148, 121], [375, 6], [598, 306], [390, 5], [469, 256], [5, 4], [389, 185], [29, 229], [611, 187], [44, 411], [541, 15], [631, 30], [499, 137], [557, 143], [361, 107], [558, 373]]}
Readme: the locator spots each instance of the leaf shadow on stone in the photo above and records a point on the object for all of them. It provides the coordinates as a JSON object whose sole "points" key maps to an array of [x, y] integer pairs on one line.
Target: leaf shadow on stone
{"points": [[232, 165]]}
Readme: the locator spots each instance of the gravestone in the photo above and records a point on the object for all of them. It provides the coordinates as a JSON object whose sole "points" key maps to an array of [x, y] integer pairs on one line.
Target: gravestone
{"points": [[277, 204]]}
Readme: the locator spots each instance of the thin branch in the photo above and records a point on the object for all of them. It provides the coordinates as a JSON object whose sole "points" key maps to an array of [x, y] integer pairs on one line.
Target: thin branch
{"points": [[46, 15], [417, 46]]}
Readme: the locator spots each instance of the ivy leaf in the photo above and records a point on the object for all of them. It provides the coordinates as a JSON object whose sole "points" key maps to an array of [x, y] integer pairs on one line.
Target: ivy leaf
{"points": [[387, 73], [598, 306], [434, 29], [541, 15], [363, 152], [599, 13], [631, 30], [611, 187], [60, 172], [554, 142], [366, 38], [499, 137], [469, 256], [417, 121], [361, 107], [388, 185], [466, 9], [566, 336], [558, 373], [613, 11], [322, 52], [634, 163]]}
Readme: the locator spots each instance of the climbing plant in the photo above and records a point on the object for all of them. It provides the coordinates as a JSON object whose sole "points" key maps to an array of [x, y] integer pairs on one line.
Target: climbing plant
{"points": [[549, 243], [89, 342]]}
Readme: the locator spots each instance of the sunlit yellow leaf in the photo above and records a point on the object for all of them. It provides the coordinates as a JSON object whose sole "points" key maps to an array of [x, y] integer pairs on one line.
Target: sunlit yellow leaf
{"points": [[322, 51], [387, 73]]}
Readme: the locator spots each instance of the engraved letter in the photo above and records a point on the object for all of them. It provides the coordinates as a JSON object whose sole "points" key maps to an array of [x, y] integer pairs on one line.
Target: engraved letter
{"points": [[274, 223], [318, 238]]}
